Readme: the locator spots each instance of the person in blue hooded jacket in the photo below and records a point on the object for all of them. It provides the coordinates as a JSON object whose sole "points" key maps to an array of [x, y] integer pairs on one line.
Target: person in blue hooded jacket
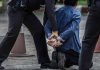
{"points": [[68, 20]]}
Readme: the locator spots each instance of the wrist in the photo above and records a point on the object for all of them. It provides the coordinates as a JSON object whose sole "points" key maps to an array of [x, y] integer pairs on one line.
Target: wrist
{"points": [[55, 33], [49, 35], [60, 39]]}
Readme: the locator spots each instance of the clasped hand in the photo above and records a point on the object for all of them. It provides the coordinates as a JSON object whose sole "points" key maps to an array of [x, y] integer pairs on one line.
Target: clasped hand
{"points": [[54, 42]]}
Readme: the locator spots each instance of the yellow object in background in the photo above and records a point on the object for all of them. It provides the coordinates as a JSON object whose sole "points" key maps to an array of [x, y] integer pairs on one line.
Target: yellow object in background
{"points": [[0, 3]]}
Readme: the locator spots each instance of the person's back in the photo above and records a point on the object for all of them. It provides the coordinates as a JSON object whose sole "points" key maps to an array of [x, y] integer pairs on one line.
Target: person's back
{"points": [[65, 17]]}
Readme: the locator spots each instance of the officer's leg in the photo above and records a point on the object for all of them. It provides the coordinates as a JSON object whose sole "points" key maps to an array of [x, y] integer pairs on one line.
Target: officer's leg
{"points": [[91, 35], [6, 45], [37, 31]]}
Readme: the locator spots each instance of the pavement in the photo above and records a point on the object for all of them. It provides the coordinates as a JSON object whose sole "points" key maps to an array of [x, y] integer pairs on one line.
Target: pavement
{"points": [[30, 62]]}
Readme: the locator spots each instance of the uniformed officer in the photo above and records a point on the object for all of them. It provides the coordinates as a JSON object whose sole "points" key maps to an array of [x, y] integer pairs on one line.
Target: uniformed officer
{"points": [[20, 12]]}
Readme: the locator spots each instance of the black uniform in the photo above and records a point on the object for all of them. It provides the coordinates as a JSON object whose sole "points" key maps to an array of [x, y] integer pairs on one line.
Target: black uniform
{"points": [[92, 32], [20, 12]]}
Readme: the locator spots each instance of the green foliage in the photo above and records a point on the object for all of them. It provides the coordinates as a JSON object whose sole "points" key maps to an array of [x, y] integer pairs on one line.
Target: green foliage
{"points": [[0, 3], [82, 2], [1, 6]]}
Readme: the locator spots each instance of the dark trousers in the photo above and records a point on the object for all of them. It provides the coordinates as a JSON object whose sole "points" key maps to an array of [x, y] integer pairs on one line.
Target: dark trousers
{"points": [[90, 38], [16, 19]]}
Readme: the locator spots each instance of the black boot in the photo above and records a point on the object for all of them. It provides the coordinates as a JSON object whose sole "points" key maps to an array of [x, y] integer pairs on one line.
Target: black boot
{"points": [[54, 61], [45, 65], [61, 60]]}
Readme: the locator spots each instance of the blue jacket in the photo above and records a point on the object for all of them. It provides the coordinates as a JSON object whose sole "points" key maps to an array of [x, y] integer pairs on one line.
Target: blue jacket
{"points": [[68, 19]]}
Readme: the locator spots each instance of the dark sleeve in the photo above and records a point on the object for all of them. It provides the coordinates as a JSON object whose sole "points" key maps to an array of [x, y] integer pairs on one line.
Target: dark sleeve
{"points": [[89, 2], [45, 18], [48, 30], [49, 5]]}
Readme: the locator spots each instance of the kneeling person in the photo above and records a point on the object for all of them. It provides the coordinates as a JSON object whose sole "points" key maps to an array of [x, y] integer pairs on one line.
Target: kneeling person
{"points": [[68, 19]]}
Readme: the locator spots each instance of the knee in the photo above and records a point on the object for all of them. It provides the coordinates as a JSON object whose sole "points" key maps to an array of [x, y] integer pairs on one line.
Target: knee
{"points": [[12, 33]]}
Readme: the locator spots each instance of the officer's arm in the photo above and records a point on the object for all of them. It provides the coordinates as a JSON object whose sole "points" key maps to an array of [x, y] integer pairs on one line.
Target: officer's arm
{"points": [[49, 4], [89, 2]]}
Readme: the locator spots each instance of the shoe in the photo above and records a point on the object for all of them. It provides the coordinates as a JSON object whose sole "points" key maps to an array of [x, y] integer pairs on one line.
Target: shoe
{"points": [[61, 60], [1, 67], [54, 61], [68, 65], [49, 66], [91, 65], [45, 65]]}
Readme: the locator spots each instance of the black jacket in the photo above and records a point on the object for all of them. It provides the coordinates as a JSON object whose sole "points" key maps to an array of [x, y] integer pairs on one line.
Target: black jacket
{"points": [[34, 5], [91, 2]]}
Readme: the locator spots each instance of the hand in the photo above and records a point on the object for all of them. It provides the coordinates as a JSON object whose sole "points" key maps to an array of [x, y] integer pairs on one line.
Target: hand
{"points": [[54, 34], [51, 42], [54, 42], [58, 44]]}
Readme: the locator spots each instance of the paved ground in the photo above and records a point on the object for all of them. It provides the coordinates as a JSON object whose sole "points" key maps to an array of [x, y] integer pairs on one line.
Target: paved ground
{"points": [[30, 63]]}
